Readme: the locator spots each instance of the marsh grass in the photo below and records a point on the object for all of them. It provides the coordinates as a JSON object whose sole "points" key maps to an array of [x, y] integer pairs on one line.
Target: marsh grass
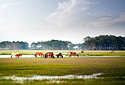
{"points": [[76, 66], [24, 67]]}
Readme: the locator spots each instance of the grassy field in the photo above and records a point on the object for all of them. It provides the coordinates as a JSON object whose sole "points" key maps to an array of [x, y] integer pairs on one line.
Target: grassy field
{"points": [[65, 52], [113, 69]]}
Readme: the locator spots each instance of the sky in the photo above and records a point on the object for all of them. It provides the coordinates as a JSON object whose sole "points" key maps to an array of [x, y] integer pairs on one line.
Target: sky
{"points": [[67, 20]]}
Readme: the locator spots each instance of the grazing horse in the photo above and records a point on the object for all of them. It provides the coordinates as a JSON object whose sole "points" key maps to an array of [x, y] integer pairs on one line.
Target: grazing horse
{"points": [[39, 53], [74, 54], [49, 54], [82, 51], [113, 52], [13, 54], [18, 55], [60, 54]]}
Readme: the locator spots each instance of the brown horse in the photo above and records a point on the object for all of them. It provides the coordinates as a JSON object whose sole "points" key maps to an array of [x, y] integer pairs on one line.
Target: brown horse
{"points": [[60, 54], [49, 54], [18, 55], [39, 53], [82, 51], [74, 54], [113, 52]]}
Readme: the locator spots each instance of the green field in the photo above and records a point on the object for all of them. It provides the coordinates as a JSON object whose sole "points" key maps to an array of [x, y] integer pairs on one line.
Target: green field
{"points": [[112, 69]]}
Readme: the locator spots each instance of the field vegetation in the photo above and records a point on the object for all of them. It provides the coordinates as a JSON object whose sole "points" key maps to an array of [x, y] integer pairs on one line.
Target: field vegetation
{"points": [[112, 69]]}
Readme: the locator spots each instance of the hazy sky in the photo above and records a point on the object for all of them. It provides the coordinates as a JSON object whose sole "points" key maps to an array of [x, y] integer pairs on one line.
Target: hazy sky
{"points": [[68, 20]]}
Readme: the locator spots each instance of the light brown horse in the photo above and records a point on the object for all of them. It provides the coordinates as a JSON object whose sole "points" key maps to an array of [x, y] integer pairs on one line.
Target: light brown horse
{"points": [[39, 53], [49, 54], [60, 54], [74, 54]]}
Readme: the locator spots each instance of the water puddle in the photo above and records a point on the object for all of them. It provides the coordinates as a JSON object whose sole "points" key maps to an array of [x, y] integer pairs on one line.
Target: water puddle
{"points": [[51, 78], [32, 56]]}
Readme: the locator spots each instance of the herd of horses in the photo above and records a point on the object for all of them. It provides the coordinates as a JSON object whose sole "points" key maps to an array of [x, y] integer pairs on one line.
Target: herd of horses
{"points": [[49, 54]]}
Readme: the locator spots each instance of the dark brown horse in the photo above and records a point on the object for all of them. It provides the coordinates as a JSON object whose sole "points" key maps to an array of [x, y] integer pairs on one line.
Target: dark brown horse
{"points": [[60, 54], [82, 51], [49, 54], [74, 54], [39, 53]]}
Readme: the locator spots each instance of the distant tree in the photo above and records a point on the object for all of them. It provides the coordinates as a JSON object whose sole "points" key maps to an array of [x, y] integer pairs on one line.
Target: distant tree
{"points": [[14, 45], [104, 42], [51, 45]]}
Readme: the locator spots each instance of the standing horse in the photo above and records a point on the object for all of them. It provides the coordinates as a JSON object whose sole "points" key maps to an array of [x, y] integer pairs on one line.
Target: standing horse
{"points": [[60, 54], [74, 54], [39, 53], [49, 54]]}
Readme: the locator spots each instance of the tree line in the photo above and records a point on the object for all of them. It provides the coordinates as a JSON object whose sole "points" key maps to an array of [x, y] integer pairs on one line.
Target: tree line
{"points": [[101, 42], [104, 42], [51, 45], [6, 45]]}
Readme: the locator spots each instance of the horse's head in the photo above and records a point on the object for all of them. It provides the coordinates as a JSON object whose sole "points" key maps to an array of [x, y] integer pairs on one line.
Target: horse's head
{"points": [[35, 55]]}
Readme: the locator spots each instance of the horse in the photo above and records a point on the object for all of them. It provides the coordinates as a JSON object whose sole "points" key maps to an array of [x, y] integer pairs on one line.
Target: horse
{"points": [[113, 52], [18, 55], [13, 54], [39, 53], [74, 54], [82, 51], [49, 54], [60, 54]]}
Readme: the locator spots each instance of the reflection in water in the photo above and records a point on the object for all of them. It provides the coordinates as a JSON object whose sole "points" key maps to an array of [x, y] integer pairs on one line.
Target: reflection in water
{"points": [[32, 56], [52, 78]]}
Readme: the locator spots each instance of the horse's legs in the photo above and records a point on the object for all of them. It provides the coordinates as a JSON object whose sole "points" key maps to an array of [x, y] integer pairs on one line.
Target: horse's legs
{"points": [[11, 56], [69, 55]]}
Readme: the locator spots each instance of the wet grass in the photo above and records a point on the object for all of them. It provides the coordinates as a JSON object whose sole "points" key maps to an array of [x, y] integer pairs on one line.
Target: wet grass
{"points": [[105, 81]]}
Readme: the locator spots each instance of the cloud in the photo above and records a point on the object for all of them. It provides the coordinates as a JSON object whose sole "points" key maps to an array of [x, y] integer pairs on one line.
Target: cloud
{"points": [[6, 5], [107, 21], [69, 13]]}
